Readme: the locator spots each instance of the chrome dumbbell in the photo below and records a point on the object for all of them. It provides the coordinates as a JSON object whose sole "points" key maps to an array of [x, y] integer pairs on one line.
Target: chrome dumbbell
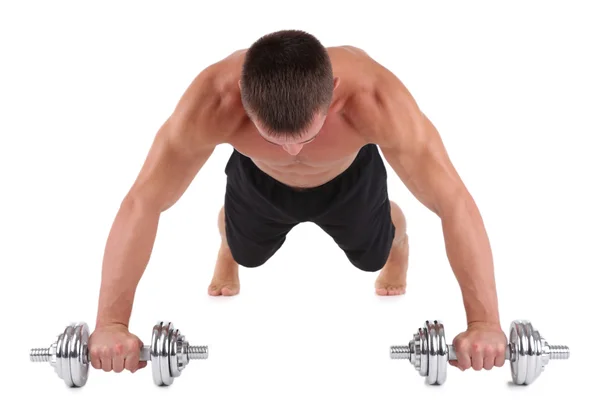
{"points": [[168, 351], [527, 352]]}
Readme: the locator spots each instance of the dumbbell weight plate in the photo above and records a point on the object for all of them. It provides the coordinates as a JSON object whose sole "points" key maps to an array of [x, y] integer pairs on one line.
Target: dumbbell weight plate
{"points": [[174, 359], [427, 365], [436, 352], [163, 353], [71, 362], [527, 346], [79, 360], [165, 369], [61, 362], [158, 351]]}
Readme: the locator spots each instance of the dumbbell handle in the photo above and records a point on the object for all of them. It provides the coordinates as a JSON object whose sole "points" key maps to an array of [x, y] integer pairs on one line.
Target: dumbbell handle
{"points": [[45, 354], [144, 354], [553, 351], [193, 352]]}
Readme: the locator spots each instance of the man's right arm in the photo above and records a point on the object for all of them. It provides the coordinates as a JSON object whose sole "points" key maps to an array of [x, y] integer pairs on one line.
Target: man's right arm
{"points": [[180, 149]]}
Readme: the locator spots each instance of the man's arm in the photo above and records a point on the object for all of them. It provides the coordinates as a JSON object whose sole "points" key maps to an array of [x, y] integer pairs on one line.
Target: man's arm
{"points": [[179, 150], [413, 148]]}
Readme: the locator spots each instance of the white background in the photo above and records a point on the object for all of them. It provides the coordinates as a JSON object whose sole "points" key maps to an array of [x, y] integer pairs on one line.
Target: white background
{"points": [[513, 89]]}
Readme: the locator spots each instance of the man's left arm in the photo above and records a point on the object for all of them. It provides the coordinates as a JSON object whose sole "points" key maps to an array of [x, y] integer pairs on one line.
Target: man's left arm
{"points": [[413, 148]]}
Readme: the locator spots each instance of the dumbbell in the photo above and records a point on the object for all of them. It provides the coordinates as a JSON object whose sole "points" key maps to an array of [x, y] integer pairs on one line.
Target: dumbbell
{"points": [[527, 352], [168, 351]]}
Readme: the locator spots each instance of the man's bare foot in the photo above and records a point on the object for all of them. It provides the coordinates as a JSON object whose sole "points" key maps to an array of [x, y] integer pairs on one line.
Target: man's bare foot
{"points": [[226, 281], [392, 278]]}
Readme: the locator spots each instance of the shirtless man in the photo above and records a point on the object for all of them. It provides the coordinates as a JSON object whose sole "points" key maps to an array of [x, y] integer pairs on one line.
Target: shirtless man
{"points": [[306, 123]]}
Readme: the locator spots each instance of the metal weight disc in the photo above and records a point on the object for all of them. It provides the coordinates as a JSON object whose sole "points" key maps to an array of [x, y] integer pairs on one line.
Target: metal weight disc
{"points": [[442, 354], [183, 356], [517, 367], [155, 353], [415, 352], [57, 356], [521, 341], [166, 338], [62, 355], [424, 350], [77, 356], [534, 360], [432, 352], [173, 358]]}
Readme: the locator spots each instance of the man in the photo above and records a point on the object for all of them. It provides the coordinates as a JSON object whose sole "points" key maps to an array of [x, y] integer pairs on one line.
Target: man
{"points": [[306, 123]]}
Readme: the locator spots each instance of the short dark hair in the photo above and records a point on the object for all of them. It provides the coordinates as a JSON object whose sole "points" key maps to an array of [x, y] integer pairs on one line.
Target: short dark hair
{"points": [[287, 77]]}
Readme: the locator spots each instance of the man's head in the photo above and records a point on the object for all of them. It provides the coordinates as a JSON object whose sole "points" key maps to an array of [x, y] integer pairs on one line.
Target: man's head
{"points": [[287, 86]]}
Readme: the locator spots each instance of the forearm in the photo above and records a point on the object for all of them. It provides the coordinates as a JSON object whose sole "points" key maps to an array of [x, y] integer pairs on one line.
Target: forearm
{"points": [[126, 256], [470, 256]]}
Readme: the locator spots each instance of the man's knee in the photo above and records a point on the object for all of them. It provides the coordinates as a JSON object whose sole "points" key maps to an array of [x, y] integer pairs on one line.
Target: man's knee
{"points": [[373, 256], [248, 261], [252, 256], [373, 263]]}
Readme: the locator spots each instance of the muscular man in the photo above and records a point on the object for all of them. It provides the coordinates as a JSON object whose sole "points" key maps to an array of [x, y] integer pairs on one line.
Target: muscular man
{"points": [[306, 124]]}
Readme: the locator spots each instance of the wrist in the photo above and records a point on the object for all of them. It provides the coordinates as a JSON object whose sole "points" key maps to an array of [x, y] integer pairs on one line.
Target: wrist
{"points": [[482, 310], [114, 310], [482, 316], [488, 323], [103, 322]]}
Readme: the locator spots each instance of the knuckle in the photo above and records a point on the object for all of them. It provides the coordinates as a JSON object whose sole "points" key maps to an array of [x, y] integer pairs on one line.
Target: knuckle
{"points": [[117, 349], [132, 345], [94, 353], [461, 345]]}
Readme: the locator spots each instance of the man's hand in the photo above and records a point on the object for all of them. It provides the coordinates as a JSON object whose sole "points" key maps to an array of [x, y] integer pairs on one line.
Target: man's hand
{"points": [[481, 346], [114, 348]]}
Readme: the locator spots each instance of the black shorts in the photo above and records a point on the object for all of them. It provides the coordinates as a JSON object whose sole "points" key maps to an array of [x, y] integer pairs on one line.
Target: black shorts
{"points": [[353, 209]]}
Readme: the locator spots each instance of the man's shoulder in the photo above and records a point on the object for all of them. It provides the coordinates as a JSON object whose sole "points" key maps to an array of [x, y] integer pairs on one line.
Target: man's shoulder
{"points": [[211, 104], [362, 76], [375, 99], [217, 80]]}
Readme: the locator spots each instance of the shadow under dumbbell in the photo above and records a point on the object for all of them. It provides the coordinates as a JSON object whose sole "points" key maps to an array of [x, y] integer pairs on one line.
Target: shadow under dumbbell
{"points": [[515, 386]]}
